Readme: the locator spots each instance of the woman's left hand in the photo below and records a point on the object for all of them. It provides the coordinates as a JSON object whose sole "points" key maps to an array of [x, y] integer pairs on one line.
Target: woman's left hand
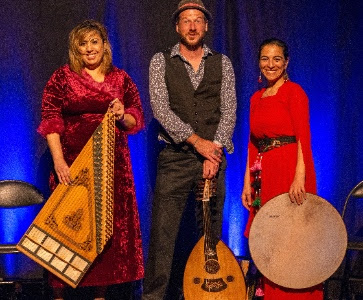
{"points": [[117, 108], [297, 191]]}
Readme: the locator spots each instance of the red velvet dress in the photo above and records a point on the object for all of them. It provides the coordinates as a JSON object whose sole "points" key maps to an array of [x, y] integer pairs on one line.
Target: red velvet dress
{"points": [[74, 106], [284, 114]]}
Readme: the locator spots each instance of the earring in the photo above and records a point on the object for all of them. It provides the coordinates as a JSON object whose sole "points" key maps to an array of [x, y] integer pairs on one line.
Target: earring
{"points": [[286, 77], [259, 78]]}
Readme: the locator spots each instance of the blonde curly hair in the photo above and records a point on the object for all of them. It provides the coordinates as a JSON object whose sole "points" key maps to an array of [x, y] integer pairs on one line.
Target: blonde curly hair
{"points": [[76, 36]]}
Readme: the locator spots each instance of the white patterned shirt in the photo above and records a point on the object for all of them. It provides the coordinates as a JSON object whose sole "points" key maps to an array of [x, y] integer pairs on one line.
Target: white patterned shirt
{"points": [[159, 98]]}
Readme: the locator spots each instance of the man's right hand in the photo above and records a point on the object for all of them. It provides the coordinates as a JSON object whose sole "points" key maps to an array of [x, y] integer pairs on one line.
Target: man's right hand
{"points": [[210, 169]]}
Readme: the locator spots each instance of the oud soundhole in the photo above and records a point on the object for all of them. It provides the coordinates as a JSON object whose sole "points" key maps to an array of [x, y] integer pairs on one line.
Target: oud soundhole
{"points": [[197, 280], [212, 266], [214, 285]]}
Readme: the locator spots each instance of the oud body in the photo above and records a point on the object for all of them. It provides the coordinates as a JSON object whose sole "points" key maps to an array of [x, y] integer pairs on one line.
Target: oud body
{"points": [[212, 271], [226, 284]]}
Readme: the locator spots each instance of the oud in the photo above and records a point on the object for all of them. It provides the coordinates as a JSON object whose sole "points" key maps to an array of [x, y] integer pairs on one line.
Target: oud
{"points": [[212, 271]]}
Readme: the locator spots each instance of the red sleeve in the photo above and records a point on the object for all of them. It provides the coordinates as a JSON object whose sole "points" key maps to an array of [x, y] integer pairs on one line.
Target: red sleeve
{"points": [[52, 101], [253, 101], [252, 149], [132, 104], [299, 110]]}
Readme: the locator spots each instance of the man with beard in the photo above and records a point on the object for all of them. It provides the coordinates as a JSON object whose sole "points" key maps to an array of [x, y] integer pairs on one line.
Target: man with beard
{"points": [[192, 92]]}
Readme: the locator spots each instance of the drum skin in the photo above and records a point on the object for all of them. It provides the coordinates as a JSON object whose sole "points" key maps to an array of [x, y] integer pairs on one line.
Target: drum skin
{"points": [[297, 246]]}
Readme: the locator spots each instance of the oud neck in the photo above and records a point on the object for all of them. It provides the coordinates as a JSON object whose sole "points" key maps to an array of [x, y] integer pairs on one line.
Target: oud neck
{"points": [[208, 241]]}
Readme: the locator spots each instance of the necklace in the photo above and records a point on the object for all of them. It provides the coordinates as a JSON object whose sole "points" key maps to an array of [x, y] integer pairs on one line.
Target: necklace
{"points": [[272, 91]]}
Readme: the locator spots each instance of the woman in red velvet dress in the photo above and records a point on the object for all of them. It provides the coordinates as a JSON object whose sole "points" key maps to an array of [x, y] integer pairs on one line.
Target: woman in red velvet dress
{"points": [[75, 100], [279, 112]]}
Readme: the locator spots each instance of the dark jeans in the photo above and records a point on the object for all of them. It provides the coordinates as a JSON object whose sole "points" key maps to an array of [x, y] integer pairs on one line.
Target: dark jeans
{"points": [[177, 175]]}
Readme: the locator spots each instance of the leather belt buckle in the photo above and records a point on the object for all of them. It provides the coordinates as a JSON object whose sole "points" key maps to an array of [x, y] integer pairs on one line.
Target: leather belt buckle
{"points": [[276, 143]]}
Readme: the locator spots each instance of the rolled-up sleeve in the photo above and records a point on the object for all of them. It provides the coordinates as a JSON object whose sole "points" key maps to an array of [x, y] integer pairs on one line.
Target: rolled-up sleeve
{"points": [[227, 122], [159, 100]]}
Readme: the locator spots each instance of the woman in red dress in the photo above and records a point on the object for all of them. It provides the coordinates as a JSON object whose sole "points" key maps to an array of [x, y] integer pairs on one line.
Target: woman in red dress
{"points": [[75, 100], [279, 114]]}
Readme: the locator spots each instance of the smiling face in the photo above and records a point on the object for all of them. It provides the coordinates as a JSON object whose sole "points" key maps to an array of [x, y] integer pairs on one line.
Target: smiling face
{"points": [[273, 63], [192, 27], [91, 49]]}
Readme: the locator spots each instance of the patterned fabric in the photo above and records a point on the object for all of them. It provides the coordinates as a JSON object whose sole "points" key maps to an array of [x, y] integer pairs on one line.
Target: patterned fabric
{"points": [[159, 98], [284, 114], [74, 106]]}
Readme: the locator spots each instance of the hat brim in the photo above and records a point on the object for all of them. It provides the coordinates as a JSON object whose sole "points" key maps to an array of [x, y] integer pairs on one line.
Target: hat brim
{"points": [[180, 10]]}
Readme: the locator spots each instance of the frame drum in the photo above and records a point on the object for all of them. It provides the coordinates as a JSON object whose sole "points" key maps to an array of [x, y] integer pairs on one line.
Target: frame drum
{"points": [[297, 246]]}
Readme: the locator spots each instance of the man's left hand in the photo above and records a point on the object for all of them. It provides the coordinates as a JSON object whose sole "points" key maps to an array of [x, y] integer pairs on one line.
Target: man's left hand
{"points": [[211, 151], [210, 169]]}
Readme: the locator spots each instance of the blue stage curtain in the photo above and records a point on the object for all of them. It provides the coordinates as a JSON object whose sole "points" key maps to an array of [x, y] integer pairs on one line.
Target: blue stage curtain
{"points": [[325, 45], [325, 39]]}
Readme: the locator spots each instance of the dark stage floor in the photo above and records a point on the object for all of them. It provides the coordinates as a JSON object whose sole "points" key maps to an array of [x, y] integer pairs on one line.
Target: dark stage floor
{"points": [[36, 291]]}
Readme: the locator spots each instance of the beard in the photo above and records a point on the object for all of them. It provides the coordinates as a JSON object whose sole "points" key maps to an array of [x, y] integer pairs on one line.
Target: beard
{"points": [[195, 43]]}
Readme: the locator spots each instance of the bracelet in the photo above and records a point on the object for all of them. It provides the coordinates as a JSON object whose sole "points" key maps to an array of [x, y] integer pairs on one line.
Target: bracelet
{"points": [[112, 102], [121, 118], [196, 140]]}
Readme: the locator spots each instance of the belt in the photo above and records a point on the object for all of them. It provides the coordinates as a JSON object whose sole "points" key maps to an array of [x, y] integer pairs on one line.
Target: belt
{"points": [[182, 147], [267, 144]]}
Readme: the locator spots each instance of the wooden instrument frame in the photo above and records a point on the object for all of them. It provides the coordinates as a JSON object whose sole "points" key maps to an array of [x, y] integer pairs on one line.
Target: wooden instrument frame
{"points": [[76, 222]]}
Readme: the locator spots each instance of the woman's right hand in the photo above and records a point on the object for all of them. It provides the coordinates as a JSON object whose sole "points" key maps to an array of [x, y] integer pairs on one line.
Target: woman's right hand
{"points": [[246, 197], [60, 166], [246, 193], [63, 171]]}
